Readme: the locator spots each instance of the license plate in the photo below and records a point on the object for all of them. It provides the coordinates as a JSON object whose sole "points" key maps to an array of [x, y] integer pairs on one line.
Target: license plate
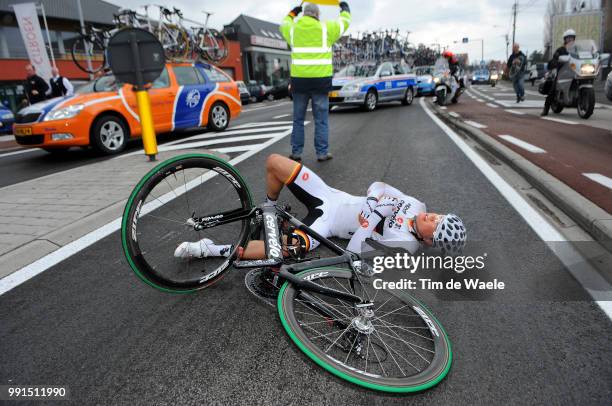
{"points": [[333, 94], [23, 131]]}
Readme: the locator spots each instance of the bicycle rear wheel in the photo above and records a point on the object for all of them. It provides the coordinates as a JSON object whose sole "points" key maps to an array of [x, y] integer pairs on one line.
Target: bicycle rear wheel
{"points": [[398, 347], [82, 49], [189, 198], [215, 46]]}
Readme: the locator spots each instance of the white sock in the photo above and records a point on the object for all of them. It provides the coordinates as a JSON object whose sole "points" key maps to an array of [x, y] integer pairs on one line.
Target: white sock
{"points": [[202, 249]]}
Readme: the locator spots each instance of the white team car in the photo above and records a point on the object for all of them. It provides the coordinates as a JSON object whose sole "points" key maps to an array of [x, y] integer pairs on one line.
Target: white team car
{"points": [[368, 84]]}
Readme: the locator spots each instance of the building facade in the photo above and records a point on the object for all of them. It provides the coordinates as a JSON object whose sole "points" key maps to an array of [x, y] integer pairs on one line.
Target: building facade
{"points": [[63, 22], [266, 56]]}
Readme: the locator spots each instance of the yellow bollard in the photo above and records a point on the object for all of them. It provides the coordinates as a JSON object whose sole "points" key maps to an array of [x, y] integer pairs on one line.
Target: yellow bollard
{"points": [[146, 123]]}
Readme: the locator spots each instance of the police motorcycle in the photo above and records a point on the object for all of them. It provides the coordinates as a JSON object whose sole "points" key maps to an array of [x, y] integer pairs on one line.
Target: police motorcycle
{"points": [[575, 76], [447, 88]]}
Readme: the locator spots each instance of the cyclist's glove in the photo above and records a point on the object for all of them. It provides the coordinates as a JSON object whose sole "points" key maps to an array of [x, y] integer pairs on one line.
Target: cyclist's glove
{"points": [[385, 207], [344, 6], [296, 10]]}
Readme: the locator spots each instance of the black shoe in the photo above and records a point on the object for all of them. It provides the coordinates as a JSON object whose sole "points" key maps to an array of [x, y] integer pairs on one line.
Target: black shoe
{"points": [[544, 113], [296, 158], [326, 157], [260, 282], [522, 98]]}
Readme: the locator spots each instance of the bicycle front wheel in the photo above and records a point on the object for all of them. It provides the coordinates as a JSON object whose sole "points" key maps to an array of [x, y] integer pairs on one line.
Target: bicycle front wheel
{"points": [[394, 345], [194, 198], [88, 55]]}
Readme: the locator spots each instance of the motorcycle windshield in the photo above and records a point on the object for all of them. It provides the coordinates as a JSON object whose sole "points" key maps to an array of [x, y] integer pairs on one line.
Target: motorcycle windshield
{"points": [[441, 67], [583, 49]]}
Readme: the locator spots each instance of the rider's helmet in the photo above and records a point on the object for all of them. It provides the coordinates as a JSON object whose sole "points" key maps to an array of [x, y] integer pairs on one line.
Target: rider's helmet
{"points": [[569, 35], [450, 234], [447, 54]]}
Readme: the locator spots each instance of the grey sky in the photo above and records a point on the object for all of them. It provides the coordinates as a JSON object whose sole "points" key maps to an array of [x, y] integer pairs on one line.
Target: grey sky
{"points": [[439, 21]]}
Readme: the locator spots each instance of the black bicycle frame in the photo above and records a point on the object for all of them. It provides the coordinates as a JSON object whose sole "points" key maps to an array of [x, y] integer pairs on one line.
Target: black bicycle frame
{"points": [[287, 272]]}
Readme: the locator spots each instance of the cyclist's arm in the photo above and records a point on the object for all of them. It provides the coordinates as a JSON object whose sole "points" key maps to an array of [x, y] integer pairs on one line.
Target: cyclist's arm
{"points": [[380, 189], [363, 232]]}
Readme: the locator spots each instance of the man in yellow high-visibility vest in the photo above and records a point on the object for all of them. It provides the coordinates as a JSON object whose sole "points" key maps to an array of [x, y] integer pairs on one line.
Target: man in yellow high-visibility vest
{"points": [[311, 71]]}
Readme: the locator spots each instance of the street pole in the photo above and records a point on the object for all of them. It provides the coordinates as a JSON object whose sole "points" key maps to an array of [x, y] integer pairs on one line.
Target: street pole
{"points": [[507, 43], [42, 7], [514, 11], [482, 50], [87, 56]]}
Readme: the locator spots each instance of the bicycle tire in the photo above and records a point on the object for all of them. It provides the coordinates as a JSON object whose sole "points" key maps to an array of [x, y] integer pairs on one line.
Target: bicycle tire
{"points": [[77, 55], [433, 372], [142, 248], [221, 51]]}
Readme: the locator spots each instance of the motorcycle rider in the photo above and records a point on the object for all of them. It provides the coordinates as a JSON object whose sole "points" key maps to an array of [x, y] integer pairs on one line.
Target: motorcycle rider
{"points": [[569, 37], [453, 65]]}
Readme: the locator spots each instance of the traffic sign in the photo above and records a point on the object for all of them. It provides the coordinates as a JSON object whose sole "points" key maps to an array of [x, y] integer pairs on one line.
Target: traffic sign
{"points": [[135, 56]]}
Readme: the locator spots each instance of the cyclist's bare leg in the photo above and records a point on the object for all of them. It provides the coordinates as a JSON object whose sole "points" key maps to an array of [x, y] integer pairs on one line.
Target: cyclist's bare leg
{"points": [[279, 172]]}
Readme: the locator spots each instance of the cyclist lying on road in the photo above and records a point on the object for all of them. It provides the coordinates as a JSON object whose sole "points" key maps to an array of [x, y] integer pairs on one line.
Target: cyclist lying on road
{"points": [[334, 213]]}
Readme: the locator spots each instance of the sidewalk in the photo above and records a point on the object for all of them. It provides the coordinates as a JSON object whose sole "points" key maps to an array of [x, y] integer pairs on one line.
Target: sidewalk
{"points": [[42, 215]]}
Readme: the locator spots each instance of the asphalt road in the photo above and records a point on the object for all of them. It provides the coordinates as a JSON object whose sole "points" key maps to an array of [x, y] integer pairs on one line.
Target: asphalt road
{"points": [[88, 323]]}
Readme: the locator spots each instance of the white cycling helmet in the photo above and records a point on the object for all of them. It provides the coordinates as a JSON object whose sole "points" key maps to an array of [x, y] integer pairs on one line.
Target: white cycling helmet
{"points": [[569, 33], [450, 234]]}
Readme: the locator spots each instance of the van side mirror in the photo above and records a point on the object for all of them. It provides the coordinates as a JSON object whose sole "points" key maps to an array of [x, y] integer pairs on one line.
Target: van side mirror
{"points": [[564, 58]]}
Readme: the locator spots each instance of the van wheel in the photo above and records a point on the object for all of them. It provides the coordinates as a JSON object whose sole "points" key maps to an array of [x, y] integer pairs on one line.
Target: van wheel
{"points": [[109, 134], [218, 117], [408, 97]]}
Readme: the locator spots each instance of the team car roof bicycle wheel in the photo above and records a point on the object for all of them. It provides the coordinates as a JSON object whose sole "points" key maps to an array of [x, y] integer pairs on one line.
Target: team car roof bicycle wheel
{"points": [[188, 198], [394, 344]]}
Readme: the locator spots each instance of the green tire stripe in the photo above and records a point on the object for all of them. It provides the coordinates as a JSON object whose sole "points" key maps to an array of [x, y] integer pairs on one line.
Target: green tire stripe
{"points": [[135, 192], [350, 378]]}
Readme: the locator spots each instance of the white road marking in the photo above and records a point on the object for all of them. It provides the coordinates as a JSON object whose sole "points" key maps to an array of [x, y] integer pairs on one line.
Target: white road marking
{"points": [[264, 107], [37, 267], [599, 178], [453, 114], [281, 116], [585, 274], [21, 151], [309, 109], [522, 144], [475, 124], [260, 124], [518, 113], [559, 120], [7, 138], [527, 104], [237, 148], [492, 105], [480, 100], [443, 107]]}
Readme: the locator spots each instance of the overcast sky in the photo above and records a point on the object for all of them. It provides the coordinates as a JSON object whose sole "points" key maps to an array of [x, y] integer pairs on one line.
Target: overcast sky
{"points": [[434, 21]]}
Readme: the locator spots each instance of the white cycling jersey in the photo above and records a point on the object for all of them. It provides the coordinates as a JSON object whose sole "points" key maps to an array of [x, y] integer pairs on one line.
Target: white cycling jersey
{"points": [[334, 213]]}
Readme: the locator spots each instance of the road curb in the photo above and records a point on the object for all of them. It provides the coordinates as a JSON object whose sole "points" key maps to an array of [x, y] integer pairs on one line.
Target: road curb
{"points": [[592, 218]]}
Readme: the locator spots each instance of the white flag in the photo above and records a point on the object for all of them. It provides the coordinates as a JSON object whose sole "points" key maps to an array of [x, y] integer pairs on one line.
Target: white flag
{"points": [[27, 18]]}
